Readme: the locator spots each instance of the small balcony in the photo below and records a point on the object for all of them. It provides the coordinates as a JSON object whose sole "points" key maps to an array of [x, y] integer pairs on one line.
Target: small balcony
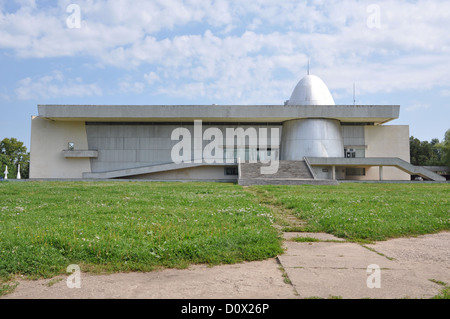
{"points": [[80, 154]]}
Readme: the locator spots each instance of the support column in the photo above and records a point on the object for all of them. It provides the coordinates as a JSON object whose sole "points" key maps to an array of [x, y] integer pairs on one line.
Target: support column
{"points": [[334, 173], [381, 173]]}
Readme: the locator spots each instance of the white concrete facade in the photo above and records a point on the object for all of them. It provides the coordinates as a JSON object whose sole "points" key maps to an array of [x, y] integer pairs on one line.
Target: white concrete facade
{"points": [[48, 140], [136, 141], [387, 141], [108, 146]]}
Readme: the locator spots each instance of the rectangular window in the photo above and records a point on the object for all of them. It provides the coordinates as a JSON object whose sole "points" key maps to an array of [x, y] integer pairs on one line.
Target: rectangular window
{"points": [[231, 171], [355, 171]]}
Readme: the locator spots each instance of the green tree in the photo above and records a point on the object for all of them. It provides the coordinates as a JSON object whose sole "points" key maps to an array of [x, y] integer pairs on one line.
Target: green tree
{"points": [[424, 153], [13, 153], [445, 149], [432, 153]]}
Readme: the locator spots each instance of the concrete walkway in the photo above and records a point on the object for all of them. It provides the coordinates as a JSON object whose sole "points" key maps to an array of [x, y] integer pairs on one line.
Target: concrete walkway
{"points": [[329, 268], [341, 269]]}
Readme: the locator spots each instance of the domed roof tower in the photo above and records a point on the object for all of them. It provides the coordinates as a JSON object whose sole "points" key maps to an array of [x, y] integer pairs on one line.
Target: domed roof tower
{"points": [[311, 137], [311, 90]]}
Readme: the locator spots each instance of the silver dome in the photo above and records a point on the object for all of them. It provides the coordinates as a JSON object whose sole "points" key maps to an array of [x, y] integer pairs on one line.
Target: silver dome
{"points": [[311, 90], [311, 137]]}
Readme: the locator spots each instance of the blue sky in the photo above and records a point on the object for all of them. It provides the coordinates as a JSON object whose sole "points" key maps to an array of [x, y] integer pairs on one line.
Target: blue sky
{"points": [[224, 52]]}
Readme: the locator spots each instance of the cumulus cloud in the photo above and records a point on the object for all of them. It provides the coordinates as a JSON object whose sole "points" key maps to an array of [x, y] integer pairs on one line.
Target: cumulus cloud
{"points": [[128, 85], [152, 78], [234, 50], [55, 86]]}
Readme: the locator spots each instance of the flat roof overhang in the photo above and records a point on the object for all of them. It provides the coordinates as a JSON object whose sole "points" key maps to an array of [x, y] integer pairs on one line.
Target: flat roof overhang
{"points": [[377, 114]]}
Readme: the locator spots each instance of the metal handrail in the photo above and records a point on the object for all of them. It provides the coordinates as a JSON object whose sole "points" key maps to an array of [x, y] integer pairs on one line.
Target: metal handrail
{"points": [[310, 168]]}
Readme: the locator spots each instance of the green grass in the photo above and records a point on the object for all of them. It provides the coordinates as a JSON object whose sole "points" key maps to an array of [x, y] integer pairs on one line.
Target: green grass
{"points": [[365, 212], [128, 226], [6, 288], [140, 226], [306, 240], [444, 294]]}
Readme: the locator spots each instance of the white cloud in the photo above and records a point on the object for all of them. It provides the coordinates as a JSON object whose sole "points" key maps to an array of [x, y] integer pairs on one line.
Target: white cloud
{"points": [[55, 86], [239, 46], [128, 85], [152, 78]]}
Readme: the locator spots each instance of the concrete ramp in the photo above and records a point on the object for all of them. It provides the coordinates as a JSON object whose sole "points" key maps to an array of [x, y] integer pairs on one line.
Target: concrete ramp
{"points": [[141, 170], [376, 161], [419, 170]]}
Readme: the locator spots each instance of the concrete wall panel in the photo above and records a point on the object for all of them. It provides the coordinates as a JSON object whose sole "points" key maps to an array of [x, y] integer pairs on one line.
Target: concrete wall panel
{"points": [[129, 146], [353, 135], [48, 140], [388, 141]]}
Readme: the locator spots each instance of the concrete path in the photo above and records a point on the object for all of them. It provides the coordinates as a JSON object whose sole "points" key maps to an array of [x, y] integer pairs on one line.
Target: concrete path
{"points": [[315, 269], [401, 268], [254, 280]]}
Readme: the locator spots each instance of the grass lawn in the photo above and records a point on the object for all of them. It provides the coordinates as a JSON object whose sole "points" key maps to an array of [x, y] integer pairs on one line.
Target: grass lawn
{"points": [[141, 226], [365, 212], [128, 226]]}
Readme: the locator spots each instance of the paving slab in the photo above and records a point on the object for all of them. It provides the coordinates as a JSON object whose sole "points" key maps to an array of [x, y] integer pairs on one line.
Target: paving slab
{"points": [[332, 255], [428, 249], [405, 268], [252, 280], [351, 283], [428, 256]]}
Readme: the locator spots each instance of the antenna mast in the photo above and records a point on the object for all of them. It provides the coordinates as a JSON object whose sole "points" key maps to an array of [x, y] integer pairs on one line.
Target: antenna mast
{"points": [[354, 94], [309, 62]]}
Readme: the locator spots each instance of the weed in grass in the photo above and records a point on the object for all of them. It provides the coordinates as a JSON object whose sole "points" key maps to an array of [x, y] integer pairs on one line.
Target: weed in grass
{"points": [[294, 229], [54, 281], [440, 283], [445, 292], [306, 239], [286, 279], [7, 288]]}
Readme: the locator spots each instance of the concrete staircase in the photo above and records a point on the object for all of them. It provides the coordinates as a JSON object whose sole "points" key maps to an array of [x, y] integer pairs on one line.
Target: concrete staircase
{"points": [[289, 173]]}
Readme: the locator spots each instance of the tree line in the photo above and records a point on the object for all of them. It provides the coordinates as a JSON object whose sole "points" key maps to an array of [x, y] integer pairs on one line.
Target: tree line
{"points": [[12, 154], [434, 153]]}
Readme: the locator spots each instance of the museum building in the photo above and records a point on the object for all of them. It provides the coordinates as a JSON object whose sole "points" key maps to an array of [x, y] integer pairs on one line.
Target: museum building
{"points": [[308, 140]]}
